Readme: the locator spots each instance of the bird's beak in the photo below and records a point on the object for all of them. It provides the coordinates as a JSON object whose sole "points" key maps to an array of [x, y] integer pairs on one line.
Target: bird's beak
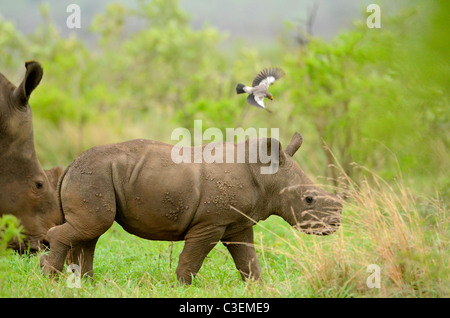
{"points": [[271, 98]]}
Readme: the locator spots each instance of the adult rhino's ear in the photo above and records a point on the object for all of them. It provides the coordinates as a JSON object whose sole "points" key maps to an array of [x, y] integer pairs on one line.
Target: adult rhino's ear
{"points": [[32, 78], [294, 145]]}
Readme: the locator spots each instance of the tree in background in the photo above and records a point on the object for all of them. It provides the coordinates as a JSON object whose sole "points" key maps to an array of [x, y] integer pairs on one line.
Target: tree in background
{"points": [[371, 93], [378, 97]]}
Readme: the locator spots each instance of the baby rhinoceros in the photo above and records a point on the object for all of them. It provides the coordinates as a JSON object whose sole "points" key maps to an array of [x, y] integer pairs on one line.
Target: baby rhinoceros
{"points": [[138, 185]]}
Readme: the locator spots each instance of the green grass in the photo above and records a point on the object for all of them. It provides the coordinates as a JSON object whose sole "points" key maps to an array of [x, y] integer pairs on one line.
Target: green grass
{"points": [[405, 234], [127, 266]]}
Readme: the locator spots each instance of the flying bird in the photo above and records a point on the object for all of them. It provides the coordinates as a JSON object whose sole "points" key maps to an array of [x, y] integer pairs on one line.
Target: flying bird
{"points": [[260, 86]]}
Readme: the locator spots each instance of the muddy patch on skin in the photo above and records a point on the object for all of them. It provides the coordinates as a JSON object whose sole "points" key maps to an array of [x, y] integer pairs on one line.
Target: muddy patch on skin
{"points": [[223, 198], [138, 200], [166, 162], [175, 206]]}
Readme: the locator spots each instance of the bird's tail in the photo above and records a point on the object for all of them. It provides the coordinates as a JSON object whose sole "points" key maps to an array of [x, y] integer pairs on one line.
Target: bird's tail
{"points": [[240, 88]]}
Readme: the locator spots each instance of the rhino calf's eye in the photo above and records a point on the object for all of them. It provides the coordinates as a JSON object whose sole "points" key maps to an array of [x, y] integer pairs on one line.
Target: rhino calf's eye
{"points": [[309, 200], [39, 185]]}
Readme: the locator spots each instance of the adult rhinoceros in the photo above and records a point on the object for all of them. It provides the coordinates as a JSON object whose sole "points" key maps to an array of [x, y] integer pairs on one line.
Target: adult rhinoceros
{"points": [[26, 190]]}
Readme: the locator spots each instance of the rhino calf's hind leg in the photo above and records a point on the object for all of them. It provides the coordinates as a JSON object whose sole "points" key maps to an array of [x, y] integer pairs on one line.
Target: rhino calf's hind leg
{"points": [[84, 225], [65, 238], [54, 262], [83, 255]]}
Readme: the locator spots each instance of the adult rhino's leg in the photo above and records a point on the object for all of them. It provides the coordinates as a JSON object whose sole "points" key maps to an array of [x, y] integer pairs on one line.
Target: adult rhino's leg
{"points": [[200, 240], [242, 249]]}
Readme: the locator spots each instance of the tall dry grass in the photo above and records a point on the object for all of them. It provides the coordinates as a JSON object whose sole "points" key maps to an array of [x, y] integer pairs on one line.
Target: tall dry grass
{"points": [[383, 223], [402, 231]]}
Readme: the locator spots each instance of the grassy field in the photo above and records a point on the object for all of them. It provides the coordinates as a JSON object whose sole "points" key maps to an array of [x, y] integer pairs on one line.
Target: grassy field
{"points": [[371, 96], [403, 233]]}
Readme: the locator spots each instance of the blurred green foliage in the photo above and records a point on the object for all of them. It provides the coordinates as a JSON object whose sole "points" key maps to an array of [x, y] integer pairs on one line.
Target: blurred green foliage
{"points": [[378, 97], [367, 98], [10, 228]]}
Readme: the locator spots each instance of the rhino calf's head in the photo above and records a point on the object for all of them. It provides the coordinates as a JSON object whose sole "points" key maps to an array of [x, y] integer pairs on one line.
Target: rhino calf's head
{"points": [[301, 203]]}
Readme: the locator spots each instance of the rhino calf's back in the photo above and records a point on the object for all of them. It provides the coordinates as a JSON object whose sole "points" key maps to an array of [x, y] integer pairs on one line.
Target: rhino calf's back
{"points": [[135, 184]]}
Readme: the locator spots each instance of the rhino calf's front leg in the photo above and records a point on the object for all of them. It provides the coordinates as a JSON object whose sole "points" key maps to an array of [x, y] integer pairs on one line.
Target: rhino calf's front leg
{"points": [[242, 249], [196, 248]]}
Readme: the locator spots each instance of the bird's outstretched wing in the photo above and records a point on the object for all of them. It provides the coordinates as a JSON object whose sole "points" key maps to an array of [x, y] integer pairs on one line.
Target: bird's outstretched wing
{"points": [[255, 101], [268, 76], [252, 101]]}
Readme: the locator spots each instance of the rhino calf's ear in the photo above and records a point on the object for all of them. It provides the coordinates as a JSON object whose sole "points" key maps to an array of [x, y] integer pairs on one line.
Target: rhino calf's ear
{"points": [[294, 145], [32, 79]]}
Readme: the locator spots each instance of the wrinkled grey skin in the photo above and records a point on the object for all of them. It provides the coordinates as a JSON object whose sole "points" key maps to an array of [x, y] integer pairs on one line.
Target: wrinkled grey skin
{"points": [[136, 184], [26, 190]]}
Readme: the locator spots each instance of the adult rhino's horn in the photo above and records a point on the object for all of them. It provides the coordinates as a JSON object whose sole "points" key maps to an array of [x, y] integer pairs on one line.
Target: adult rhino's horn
{"points": [[296, 142]]}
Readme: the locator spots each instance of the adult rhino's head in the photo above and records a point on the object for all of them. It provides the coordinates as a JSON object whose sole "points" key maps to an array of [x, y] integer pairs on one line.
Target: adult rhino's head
{"points": [[26, 190], [301, 203]]}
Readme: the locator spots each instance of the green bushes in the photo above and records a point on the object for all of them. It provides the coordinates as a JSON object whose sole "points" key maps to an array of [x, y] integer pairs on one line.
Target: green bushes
{"points": [[366, 94], [372, 98], [10, 229]]}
